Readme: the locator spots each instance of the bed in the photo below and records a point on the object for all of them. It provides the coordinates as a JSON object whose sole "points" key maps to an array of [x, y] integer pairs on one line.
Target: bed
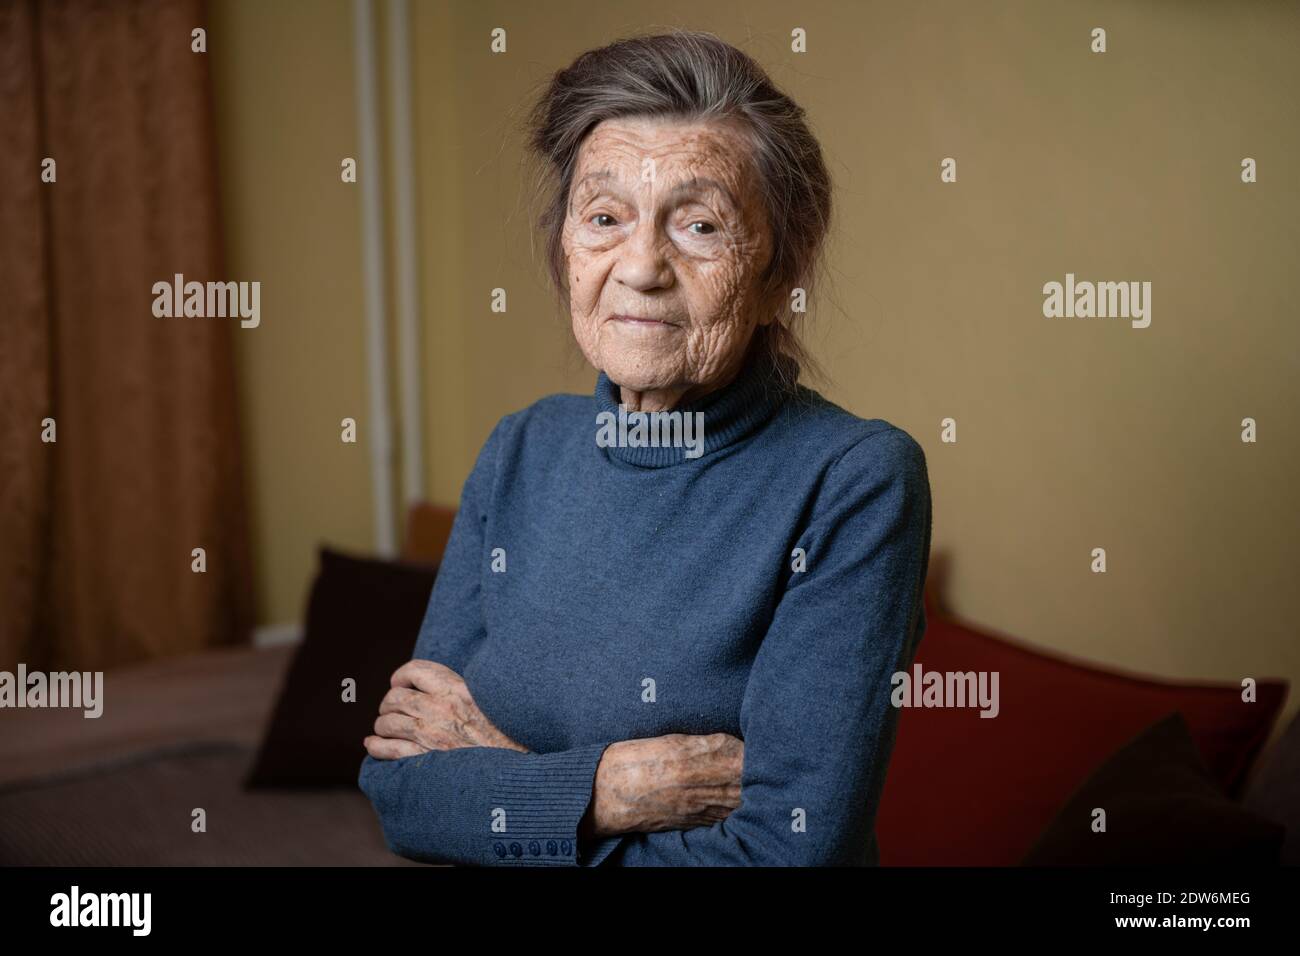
{"points": [[176, 735], [181, 733]]}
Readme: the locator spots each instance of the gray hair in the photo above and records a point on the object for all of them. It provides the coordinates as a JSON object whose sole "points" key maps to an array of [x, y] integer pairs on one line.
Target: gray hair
{"points": [[691, 76]]}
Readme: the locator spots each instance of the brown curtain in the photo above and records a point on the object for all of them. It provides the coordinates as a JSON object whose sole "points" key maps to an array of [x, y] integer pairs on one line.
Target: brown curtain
{"points": [[98, 527]]}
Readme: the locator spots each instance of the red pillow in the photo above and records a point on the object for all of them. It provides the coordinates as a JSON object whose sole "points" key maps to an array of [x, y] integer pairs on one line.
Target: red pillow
{"points": [[966, 790]]}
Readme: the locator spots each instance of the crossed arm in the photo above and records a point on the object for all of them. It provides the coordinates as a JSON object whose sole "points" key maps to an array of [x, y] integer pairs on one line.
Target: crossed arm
{"points": [[672, 782]]}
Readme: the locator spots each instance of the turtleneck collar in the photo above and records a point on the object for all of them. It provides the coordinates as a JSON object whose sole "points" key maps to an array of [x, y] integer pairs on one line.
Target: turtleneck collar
{"points": [[730, 414]]}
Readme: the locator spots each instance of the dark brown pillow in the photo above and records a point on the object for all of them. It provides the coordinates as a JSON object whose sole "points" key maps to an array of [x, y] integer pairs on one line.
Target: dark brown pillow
{"points": [[1162, 806], [363, 619]]}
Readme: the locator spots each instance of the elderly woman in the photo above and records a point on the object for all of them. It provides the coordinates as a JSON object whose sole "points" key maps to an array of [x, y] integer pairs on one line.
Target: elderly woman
{"points": [[638, 653]]}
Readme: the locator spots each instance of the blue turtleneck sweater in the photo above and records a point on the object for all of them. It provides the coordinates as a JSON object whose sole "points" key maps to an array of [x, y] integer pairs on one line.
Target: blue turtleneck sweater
{"points": [[766, 584]]}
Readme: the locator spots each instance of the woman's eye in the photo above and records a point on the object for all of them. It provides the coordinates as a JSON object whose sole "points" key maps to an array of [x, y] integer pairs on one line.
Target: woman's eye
{"points": [[603, 215], [706, 228]]}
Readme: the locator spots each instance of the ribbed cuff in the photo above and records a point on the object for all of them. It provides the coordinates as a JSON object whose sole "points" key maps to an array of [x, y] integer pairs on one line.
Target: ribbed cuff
{"points": [[537, 803]]}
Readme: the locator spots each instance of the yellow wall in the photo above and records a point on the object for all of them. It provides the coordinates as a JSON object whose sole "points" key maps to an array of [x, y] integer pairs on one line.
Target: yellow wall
{"points": [[286, 117], [1072, 434]]}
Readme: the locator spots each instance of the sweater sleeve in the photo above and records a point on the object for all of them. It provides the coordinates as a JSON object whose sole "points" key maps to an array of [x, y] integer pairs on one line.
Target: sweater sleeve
{"points": [[477, 805], [816, 717]]}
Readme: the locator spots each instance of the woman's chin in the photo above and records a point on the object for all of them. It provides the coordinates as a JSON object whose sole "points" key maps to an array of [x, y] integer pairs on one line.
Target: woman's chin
{"points": [[642, 375]]}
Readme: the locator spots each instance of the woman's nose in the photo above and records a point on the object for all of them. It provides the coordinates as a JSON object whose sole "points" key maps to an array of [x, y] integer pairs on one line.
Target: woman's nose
{"points": [[642, 264]]}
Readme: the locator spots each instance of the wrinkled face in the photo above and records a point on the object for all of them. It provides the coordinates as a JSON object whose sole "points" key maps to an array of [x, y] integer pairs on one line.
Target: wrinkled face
{"points": [[666, 239]]}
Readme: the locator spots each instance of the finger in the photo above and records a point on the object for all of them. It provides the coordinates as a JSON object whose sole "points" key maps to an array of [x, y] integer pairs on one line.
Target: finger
{"points": [[400, 726], [417, 673], [437, 679], [403, 700], [388, 748], [403, 676]]}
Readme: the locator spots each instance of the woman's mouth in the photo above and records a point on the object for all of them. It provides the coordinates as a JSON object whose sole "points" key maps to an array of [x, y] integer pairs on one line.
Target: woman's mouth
{"points": [[637, 321]]}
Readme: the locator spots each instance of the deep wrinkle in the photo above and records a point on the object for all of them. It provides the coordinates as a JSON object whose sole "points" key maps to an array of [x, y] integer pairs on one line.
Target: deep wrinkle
{"points": [[666, 239]]}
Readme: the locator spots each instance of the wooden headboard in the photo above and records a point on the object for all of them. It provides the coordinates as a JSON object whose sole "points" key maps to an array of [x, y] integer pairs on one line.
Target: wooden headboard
{"points": [[428, 526]]}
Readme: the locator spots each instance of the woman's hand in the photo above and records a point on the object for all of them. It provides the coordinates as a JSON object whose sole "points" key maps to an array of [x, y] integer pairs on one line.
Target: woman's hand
{"points": [[430, 708], [674, 782]]}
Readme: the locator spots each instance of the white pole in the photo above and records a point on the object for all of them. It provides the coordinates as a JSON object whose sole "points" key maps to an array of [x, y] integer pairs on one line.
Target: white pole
{"points": [[372, 254], [407, 276]]}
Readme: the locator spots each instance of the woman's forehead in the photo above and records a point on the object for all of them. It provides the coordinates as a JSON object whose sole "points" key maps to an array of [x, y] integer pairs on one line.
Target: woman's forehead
{"points": [[702, 148]]}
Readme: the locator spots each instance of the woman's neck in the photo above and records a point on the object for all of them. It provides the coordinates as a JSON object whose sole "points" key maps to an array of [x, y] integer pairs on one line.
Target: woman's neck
{"points": [[666, 399]]}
